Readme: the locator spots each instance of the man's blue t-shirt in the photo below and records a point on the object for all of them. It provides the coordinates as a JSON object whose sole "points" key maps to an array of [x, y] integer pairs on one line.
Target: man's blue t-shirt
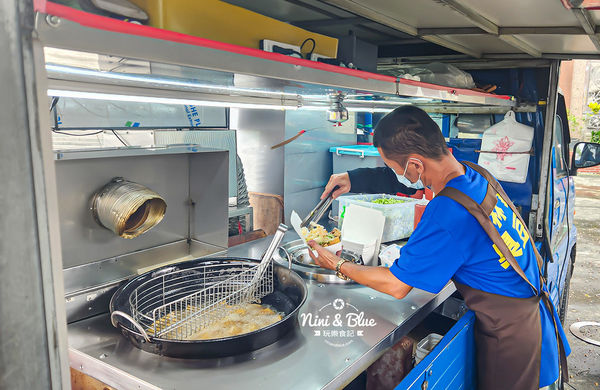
{"points": [[450, 243]]}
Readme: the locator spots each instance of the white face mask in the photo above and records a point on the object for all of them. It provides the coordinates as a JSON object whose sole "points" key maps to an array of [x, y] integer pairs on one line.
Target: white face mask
{"points": [[418, 185]]}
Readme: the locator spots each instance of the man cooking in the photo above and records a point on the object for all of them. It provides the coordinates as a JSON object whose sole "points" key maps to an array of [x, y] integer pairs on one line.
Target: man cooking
{"points": [[469, 233]]}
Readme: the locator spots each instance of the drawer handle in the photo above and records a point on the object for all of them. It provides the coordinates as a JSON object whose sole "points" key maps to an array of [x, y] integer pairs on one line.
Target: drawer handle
{"points": [[362, 152], [425, 383]]}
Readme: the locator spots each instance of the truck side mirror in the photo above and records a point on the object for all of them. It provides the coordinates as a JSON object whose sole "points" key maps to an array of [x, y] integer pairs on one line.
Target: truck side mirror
{"points": [[585, 155]]}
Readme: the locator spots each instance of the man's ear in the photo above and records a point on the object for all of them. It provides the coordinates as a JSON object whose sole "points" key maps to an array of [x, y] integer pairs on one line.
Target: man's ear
{"points": [[418, 161]]}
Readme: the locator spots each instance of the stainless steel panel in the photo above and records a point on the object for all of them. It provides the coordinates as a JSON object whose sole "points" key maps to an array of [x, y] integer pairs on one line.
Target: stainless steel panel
{"points": [[257, 131], [168, 171], [202, 249], [300, 360], [480, 42], [302, 202], [217, 139], [208, 77], [89, 287], [112, 376], [530, 13], [74, 36], [83, 240], [91, 303], [308, 162], [116, 269], [562, 43], [33, 351], [208, 190], [128, 152]]}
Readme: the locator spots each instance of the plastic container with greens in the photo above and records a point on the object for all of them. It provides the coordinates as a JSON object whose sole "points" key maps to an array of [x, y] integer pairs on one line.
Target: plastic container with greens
{"points": [[399, 212]]}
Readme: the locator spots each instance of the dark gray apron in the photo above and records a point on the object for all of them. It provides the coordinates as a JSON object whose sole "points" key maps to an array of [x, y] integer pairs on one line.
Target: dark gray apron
{"points": [[508, 332]]}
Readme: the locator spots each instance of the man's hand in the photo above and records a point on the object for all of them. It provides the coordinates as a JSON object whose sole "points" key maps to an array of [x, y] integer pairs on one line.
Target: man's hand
{"points": [[325, 259], [342, 180], [378, 278]]}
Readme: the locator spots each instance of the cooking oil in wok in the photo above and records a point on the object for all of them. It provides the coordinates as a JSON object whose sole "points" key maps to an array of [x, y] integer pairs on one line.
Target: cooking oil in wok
{"points": [[244, 319], [241, 319]]}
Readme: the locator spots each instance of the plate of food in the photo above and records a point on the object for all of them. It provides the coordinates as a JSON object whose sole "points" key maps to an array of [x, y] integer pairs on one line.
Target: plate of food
{"points": [[330, 240]]}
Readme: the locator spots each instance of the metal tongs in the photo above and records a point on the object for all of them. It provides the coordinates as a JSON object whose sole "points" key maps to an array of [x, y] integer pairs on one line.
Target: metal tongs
{"points": [[317, 213]]}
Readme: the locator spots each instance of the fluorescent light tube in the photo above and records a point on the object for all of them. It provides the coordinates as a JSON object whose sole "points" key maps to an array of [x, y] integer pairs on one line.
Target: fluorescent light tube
{"points": [[151, 79], [163, 100]]}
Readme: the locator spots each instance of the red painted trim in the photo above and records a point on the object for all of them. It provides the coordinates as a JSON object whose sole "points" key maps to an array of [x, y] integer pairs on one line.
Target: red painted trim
{"points": [[453, 91], [590, 4], [104, 23], [39, 5]]}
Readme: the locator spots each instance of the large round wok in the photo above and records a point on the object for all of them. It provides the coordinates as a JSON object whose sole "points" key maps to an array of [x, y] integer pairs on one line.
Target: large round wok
{"points": [[289, 293]]}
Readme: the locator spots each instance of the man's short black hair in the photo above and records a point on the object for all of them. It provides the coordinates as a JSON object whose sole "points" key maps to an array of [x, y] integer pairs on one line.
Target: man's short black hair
{"points": [[408, 130]]}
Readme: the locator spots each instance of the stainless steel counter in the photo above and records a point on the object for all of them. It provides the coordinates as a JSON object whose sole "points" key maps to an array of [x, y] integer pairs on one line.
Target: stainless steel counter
{"points": [[301, 360]]}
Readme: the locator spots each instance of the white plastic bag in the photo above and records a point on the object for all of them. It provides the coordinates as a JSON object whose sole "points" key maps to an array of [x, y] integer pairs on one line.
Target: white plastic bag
{"points": [[505, 149], [389, 255], [435, 73]]}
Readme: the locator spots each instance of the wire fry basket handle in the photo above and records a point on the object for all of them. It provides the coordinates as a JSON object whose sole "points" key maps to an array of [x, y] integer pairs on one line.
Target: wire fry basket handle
{"points": [[131, 320], [287, 256], [266, 260]]}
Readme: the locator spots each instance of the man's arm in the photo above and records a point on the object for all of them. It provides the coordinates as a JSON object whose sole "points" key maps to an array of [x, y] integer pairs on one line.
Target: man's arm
{"points": [[381, 180], [377, 278]]}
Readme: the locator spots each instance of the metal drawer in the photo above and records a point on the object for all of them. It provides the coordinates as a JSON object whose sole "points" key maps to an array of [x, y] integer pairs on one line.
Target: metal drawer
{"points": [[451, 364]]}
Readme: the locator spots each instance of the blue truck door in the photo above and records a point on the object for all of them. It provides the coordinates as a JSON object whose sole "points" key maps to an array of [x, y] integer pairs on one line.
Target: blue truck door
{"points": [[559, 229]]}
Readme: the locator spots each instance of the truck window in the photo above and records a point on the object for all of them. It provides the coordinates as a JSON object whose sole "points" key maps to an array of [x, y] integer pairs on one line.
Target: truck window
{"points": [[559, 150]]}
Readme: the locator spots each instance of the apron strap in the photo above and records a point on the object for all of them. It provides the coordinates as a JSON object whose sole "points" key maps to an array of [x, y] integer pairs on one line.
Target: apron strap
{"points": [[481, 212], [561, 347], [482, 216], [494, 183]]}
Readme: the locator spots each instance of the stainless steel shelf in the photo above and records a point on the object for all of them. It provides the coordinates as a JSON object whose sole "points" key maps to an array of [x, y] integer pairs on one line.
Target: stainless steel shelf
{"points": [[425, 90], [74, 36], [235, 211], [245, 67]]}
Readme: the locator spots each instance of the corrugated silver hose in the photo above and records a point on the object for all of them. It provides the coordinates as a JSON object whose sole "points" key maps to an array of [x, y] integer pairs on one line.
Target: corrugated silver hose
{"points": [[127, 208]]}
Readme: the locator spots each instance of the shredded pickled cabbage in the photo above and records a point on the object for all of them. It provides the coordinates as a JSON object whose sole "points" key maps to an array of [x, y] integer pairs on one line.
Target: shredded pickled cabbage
{"points": [[320, 235]]}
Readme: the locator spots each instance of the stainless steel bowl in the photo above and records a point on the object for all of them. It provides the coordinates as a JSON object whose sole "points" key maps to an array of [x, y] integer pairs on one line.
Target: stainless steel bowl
{"points": [[297, 253]]}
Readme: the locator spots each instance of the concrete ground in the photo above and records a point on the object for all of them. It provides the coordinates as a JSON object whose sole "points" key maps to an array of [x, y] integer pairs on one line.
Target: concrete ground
{"points": [[584, 299]]}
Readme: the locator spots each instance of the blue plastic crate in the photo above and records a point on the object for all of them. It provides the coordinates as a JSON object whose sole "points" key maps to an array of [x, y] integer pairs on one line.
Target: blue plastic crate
{"points": [[347, 158]]}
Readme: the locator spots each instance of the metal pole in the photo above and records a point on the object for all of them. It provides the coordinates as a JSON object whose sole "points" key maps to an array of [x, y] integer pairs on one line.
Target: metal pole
{"points": [[540, 227], [33, 346]]}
